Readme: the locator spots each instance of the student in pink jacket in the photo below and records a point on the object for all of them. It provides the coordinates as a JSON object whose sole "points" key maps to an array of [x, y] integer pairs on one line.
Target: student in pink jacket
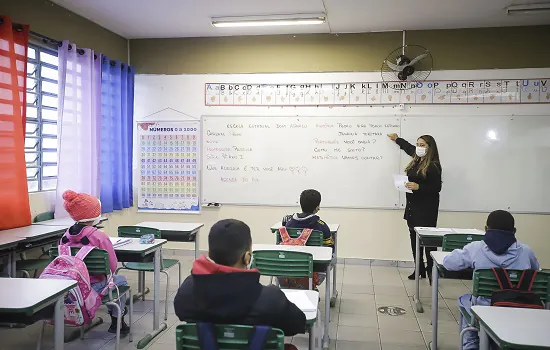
{"points": [[85, 210]]}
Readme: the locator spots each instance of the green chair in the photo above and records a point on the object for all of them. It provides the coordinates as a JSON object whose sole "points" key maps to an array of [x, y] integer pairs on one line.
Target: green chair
{"points": [[142, 267], [25, 265], [485, 283], [314, 240], [454, 241], [230, 337], [283, 263], [97, 262]]}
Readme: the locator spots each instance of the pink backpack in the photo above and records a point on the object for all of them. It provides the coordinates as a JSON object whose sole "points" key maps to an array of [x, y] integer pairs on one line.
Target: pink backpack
{"points": [[81, 302], [296, 282]]}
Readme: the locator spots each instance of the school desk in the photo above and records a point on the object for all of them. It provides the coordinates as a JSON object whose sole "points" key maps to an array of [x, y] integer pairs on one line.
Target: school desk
{"points": [[321, 256], [7, 248], [334, 230], [311, 316], [137, 252], [431, 237], [24, 297], [513, 328], [177, 231], [68, 222], [32, 237]]}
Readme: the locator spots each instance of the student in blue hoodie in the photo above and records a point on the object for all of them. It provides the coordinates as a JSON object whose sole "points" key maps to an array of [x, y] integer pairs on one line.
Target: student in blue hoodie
{"points": [[310, 201], [499, 249]]}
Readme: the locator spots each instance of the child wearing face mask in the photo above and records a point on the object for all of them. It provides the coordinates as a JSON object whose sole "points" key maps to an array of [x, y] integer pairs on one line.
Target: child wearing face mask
{"points": [[85, 210], [222, 289]]}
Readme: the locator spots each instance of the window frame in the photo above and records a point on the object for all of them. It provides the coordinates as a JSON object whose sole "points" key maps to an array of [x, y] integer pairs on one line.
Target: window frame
{"points": [[38, 149]]}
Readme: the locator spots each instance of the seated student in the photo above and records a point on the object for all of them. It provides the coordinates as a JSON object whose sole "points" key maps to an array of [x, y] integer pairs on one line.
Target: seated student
{"points": [[310, 200], [86, 211], [499, 249], [223, 290]]}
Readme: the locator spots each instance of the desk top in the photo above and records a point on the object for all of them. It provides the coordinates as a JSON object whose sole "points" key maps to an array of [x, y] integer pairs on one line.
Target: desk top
{"points": [[320, 254], [171, 226], [33, 231], [23, 295], [439, 256], [332, 227], [312, 295], [134, 246], [67, 222], [9, 241], [529, 327], [440, 231]]}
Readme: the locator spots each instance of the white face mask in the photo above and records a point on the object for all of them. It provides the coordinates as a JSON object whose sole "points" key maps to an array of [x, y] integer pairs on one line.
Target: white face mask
{"points": [[421, 151], [250, 263]]}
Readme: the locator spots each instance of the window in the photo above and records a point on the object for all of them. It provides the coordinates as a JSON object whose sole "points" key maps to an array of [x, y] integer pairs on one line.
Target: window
{"points": [[41, 127]]}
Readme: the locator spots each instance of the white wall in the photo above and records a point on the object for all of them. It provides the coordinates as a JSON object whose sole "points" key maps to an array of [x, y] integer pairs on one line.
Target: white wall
{"points": [[364, 233]]}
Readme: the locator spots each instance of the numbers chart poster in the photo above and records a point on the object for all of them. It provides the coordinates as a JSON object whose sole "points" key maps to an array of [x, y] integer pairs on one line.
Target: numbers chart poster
{"points": [[169, 166]]}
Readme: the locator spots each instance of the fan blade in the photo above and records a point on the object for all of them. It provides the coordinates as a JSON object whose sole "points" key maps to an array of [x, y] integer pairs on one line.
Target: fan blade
{"points": [[418, 58], [393, 66]]}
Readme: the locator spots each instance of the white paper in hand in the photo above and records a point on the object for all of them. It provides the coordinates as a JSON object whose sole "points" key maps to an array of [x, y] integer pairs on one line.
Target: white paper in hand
{"points": [[400, 181], [300, 299]]}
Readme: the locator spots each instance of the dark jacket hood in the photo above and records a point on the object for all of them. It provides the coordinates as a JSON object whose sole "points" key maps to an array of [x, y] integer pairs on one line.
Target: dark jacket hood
{"points": [[498, 241], [222, 293]]}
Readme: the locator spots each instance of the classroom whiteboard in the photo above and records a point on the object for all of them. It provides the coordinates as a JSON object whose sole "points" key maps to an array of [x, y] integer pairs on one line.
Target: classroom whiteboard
{"points": [[271, 160], [489, 162]]}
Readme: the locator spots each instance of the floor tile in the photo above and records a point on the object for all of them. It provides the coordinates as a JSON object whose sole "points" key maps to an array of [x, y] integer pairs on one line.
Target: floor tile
{"points": [[398, 323], [390, 336], [353, 345], [356, 320], [358, 334], [386, 290], [357, 307], [357, 289]]}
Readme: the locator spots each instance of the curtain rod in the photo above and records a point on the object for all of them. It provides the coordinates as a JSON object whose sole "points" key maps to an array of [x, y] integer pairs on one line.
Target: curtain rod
{"points": [[48, 40]]}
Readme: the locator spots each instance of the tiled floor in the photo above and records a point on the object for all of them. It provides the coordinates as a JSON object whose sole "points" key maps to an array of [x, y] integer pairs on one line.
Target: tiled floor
{"points": [[355, 323]]}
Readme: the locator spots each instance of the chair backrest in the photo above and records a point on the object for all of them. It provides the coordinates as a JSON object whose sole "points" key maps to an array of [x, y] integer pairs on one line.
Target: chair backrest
{"points": [[454, 241], [137, 231], [49, 215], [283, 263], [97, 260], [485, 283], [230, 337], [314, 240]]}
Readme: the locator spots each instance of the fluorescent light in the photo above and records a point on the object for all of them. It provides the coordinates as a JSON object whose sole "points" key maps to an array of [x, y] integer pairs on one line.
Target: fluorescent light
{"points": [[528, 9], [264, 21]]}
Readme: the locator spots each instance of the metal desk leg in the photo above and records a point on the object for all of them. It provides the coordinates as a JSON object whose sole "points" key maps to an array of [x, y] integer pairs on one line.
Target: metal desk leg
{"points": [[327, 308], [157, 328], [312, 336], [59, 324], [334, 267], [142, 290], [13, 272], [435, 302], [197, 245], [483, 338], [417, 259]]}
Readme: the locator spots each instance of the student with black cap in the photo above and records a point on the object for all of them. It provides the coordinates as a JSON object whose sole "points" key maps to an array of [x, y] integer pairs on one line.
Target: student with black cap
{"points": [[222, 289]]}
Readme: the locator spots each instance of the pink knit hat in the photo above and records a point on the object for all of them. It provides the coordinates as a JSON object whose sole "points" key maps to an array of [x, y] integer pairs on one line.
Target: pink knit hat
{"points": [[81, 207]]}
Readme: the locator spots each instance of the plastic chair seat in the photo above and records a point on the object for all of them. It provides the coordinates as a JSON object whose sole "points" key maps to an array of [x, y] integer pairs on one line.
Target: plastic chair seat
{"points": [[121, 291], [148, 266]]}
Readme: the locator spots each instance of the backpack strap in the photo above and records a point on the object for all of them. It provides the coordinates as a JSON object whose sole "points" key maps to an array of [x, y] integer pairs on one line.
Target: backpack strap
{"points": [[526, 280], [285, 237], [502, 278], [304, 236], [258, 338], [64, 250], [207, 336], [84, 251]]}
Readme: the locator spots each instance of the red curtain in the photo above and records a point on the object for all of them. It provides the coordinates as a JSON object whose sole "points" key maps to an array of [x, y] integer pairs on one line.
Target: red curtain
{"points": [[14, 197]]}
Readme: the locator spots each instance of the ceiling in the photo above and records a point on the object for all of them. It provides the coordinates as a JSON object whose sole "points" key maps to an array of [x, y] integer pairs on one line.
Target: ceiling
{"points": [[191, 18]]}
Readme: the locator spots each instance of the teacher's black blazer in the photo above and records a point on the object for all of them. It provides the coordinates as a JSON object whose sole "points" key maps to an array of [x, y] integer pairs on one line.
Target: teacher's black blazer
{"points": [[423, 204]]}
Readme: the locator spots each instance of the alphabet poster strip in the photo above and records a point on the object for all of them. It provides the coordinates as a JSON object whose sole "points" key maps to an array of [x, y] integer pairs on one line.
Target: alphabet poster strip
{"points": [[493, 91], [169, 166]]}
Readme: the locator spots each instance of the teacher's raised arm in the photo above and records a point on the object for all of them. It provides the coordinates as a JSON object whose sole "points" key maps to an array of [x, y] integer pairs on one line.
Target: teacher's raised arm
{"points": [[424, 174]]}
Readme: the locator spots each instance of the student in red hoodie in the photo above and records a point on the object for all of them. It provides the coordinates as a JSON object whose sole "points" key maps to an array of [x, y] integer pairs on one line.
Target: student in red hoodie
{"points": [[222, 289]]}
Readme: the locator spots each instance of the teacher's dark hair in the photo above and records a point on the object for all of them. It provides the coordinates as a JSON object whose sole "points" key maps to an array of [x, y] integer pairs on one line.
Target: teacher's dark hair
{"points": [[431, 157]]}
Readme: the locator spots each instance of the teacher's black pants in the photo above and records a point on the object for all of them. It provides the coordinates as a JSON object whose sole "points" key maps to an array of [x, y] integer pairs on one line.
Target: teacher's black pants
{"points": [[429, 261]]}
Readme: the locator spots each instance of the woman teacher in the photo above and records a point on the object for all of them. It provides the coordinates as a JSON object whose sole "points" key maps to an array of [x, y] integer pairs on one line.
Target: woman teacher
{"points": [[424, 173]]}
